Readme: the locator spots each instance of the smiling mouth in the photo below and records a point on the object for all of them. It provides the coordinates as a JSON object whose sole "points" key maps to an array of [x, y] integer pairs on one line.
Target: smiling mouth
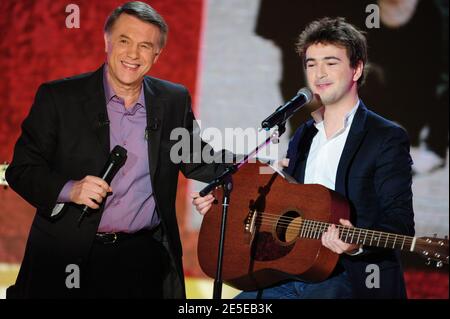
{"points": [[130, 66], [323, 85]]}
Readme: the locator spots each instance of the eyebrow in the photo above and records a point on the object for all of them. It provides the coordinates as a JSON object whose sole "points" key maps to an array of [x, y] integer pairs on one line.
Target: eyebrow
{"points": [[127, 37], [325, 58]]}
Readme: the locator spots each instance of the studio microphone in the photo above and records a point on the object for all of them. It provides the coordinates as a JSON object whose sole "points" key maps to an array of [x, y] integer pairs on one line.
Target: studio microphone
{"points": [[116, 159], [284, 112]]}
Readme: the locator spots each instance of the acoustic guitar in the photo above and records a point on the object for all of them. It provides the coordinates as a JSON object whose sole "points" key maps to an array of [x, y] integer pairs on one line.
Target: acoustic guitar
{"points": [[274, 228]]}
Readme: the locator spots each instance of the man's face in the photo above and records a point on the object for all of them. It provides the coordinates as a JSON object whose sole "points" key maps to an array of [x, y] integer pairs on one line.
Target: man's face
{"points": [[329, 73], [132, 47]]}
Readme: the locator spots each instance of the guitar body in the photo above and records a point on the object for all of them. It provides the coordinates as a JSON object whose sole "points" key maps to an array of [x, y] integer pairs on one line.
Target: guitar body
{"points": [[262, 246]]}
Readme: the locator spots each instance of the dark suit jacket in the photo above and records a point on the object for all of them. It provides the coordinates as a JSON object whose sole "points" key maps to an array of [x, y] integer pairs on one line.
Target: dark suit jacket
{"points": [[374, 174], [62, 139]]}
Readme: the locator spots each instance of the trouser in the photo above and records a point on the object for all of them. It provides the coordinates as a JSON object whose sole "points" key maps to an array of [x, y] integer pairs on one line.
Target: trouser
{"points": [[125, 266]]}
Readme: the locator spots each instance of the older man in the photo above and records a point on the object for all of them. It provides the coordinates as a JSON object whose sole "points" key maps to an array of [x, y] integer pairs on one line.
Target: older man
{"points": [[129, 245]]}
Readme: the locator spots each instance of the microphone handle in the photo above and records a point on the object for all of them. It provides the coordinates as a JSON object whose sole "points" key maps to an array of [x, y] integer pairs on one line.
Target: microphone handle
{"points": [[106, 176]]}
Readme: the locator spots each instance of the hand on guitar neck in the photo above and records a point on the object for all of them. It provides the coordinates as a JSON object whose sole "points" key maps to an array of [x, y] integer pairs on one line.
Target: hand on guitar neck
{"points": [[330, 239]]}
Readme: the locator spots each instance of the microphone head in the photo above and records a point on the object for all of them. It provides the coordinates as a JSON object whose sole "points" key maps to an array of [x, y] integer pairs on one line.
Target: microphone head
{"points": [[307, 93], [119, 150], [118, 154], [284, 112]]}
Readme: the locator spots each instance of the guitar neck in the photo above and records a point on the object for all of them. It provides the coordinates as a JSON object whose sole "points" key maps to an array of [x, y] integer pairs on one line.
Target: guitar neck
{"points": [[352, 235]]}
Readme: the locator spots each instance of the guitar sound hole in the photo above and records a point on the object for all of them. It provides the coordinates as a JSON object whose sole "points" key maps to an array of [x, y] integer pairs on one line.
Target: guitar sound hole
{"points": [[287, 227], [277, 243]]}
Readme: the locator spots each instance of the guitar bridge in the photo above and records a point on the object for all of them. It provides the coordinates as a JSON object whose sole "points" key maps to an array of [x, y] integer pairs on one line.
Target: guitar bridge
{"points": [[250, 226]]}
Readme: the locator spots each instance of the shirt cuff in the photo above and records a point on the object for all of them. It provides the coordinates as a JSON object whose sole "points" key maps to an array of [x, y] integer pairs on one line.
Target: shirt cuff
{"points": [[64, 195], [359, 251]]}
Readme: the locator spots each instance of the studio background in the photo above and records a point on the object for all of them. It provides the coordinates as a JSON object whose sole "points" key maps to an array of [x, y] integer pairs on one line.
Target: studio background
{"points": [[237, 58]]}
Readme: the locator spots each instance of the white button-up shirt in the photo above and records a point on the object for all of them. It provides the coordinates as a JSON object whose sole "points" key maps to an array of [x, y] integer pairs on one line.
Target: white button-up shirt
{"points": [[324, 154]]}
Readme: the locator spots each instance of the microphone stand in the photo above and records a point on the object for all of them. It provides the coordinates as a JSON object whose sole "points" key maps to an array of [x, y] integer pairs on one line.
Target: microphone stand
{"points": [[226, 182]]}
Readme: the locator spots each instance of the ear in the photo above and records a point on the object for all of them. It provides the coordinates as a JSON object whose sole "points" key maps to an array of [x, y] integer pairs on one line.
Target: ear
{"points": [[357, 72], [105, 37], [156, 57]]}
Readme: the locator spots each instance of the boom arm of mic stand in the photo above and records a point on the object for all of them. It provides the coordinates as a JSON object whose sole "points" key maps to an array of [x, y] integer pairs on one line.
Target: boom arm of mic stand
{"points": [[219, 180], [230, 170]]}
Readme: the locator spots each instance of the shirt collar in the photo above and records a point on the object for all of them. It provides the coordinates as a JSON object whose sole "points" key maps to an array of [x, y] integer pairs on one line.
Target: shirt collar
{"points": [[110, 94], [317, 115]]}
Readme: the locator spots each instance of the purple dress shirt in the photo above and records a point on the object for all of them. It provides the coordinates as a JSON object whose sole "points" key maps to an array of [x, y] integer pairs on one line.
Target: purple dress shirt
{"points": [[131, 207]]}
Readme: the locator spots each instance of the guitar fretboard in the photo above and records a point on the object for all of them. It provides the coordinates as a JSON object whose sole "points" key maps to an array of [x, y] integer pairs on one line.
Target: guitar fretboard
{"points": [[352, 235]]}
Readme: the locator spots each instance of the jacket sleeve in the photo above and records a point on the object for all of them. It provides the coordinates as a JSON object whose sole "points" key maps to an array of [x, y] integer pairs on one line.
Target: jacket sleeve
{"points": [[31, 172], [202, 163], [393, 180]]}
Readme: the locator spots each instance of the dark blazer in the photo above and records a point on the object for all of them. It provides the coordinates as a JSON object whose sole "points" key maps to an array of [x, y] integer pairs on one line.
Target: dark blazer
{"points": [[374, 174], [64, 138]]}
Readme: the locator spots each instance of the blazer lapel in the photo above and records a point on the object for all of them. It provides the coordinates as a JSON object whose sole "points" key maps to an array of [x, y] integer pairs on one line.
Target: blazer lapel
{"points": [[155, 112], [95, 109], [303, 151], [354, 139]]}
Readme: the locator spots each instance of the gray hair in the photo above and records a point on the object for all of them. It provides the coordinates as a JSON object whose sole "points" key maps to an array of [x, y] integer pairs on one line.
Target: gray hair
{"points": [[143, 12]]}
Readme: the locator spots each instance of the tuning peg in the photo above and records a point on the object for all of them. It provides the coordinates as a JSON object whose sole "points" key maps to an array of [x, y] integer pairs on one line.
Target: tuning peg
{"points": [[439, 264], [428, 262], [425, 253]]}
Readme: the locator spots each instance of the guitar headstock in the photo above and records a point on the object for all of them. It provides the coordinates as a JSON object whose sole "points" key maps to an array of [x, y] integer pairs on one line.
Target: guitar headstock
{"points": [[433, 249], [3, 168]]}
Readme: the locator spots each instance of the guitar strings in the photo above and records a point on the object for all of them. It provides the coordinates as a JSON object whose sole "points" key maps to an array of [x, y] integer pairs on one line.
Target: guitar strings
{"points": [[313, 229], [314, 226], [351, 237], [316, 232]]}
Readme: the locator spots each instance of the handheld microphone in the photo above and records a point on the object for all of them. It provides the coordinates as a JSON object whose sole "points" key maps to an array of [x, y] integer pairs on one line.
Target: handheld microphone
{"points": [[116, 159], [284, 112]]}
